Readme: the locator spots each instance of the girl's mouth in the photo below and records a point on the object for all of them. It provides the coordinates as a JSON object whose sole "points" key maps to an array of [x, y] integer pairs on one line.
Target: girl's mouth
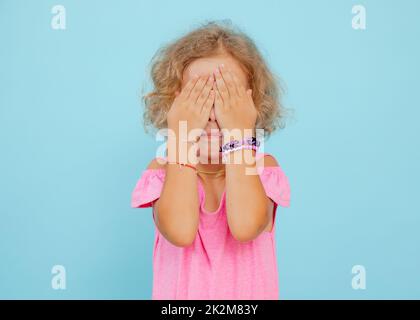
{"points": [[212, 134]]}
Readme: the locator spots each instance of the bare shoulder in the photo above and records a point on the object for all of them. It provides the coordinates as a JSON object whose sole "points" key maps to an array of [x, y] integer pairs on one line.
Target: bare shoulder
{"points": [[157, 163], [267, 161]]}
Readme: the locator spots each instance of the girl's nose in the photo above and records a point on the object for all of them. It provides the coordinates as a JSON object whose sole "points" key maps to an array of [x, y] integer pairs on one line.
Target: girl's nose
{"points": [[212, 115]]}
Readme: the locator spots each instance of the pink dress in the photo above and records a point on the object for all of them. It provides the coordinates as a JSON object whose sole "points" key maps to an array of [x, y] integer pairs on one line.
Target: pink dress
{"points": [[215, 266]]}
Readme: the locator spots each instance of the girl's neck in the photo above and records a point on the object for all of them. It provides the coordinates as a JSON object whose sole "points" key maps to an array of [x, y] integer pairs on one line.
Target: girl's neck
{"points": [[211, 177], [209, 164], [210, 171], [210, 167]]}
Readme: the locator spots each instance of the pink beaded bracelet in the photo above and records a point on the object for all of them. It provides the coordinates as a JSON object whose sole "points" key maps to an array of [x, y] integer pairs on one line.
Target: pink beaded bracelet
{"points": [[241, 147]]}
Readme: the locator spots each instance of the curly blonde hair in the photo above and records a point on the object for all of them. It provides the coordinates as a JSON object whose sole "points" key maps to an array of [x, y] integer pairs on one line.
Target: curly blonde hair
{"points": [[211, 39]]}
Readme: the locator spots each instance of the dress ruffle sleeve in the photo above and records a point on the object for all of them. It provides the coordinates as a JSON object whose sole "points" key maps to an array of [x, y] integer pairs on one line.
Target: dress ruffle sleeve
{"points": [[276, 185], [148, 188]]}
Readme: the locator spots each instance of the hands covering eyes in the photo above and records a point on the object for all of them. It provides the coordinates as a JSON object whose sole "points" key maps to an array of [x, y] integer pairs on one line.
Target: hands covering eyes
{"points": [[233, 104]]}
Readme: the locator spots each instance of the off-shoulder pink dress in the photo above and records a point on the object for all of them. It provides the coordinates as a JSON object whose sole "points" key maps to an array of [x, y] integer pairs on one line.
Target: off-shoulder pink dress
{"points": [[215, 266]]}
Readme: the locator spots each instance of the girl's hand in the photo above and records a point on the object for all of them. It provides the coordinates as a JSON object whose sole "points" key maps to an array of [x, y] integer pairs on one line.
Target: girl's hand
{"points": [[193, 104], [233, 106]]}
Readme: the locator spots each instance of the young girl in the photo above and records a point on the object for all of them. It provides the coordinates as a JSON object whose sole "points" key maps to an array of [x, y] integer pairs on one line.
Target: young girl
{"points": [[214, 236]]}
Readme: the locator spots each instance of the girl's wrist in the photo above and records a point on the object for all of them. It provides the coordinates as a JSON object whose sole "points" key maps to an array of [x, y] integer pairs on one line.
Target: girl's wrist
{"points": [[183, 151], [236, 134], [241, 156], [247, 146], [238, 142], [184, 165]]}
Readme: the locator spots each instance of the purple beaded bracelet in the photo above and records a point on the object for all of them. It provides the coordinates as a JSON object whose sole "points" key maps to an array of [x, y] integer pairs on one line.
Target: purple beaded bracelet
{"points": [[247, 143]]}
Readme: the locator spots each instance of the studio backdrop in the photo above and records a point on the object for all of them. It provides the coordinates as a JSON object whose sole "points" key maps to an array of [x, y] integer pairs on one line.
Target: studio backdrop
{"points": [[72, 143]]}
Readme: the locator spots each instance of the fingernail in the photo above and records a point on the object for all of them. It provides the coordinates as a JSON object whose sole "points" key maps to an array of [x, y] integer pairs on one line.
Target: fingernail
{"points": [[216, 71], [222, 65]]}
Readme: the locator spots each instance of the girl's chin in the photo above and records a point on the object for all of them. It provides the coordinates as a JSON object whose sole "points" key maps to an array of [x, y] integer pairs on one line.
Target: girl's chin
{"points": [[209, 147], [215, 153], [211, 137], [206, 154]]}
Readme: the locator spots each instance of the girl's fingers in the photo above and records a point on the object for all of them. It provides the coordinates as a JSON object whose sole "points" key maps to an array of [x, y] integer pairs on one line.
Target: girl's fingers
{"points": [[218, 100], [227, 77], [239, 88], [249, 93], [205, 92], [189, 86], [196, 91], [221, 86], [208, 104]]}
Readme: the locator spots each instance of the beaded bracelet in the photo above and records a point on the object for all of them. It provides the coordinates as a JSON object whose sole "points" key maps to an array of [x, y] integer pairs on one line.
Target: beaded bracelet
{"points": [[232, 145], [241, 147], [184, 165], [248, 143]]}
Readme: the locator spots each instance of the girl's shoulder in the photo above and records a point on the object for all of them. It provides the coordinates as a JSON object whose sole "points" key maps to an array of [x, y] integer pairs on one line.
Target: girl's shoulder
{"points": [[266, 160], [157, 163], [273, 178], [149, 185]]}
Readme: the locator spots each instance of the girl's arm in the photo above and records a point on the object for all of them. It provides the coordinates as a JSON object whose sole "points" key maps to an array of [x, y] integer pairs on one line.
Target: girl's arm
{"points": [[249, 210], [177, 209], [248, 207]]}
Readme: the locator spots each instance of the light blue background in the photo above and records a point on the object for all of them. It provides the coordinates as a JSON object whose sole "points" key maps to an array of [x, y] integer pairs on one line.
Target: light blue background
{"points": [[72, 144]]}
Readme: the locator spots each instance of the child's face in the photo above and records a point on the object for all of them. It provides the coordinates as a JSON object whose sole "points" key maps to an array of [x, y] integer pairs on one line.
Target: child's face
{"points": [[206, 66]]}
